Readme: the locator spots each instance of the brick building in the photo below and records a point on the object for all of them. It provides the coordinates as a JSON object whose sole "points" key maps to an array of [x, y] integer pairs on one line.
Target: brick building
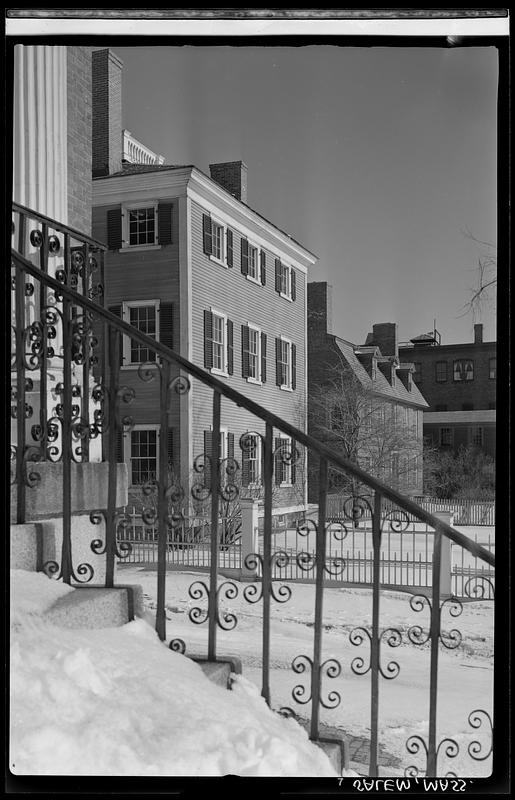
{"points": [[459, 383], [191, 264], [361, 400]]}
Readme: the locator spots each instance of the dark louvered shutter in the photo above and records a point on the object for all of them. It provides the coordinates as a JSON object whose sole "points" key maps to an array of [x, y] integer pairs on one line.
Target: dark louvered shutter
{"points": [[293, 366], [119, 448], [208, 339], [169, 449], [278, 362], [207, 235], [263, 357], [293, 463], [277, 462], [262, 258], [114, 229], [245, 471], [230, 347], [278, 269], [208, 455], [293, 284], [230, 445], [244, 257], [245, 351], [166, 324], [118, 311], [230, 248], [165, 223]]}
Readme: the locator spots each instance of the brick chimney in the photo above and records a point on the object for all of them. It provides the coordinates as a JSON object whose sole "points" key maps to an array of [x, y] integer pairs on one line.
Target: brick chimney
{"points": [[320, 308], [231, 175], [384, 336], [478, 333], [107, 112]]}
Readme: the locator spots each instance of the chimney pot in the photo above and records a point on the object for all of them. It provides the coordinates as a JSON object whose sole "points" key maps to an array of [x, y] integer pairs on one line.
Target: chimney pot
{"points": [[478, 333]]}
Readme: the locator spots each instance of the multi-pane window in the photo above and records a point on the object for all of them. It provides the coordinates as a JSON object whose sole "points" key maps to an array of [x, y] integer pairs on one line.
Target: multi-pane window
{"points": [[441, 371], [476, 436], [218, 240], [285, 363], [251, 460], [445, 437], [253, 269], [218, 342], [492, 369], [144, 317], [417, 373], [142, 225], [254, 353], [464, 370], [285, 280], [143, 455], [284, 461]]}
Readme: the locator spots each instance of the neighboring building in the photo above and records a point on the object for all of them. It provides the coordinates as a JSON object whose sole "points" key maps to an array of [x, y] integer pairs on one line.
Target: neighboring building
{"points": [[459, 383], [191, 264], [361, 400]]}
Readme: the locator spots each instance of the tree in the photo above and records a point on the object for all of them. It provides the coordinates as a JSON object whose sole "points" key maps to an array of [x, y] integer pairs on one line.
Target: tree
{"points": [[365, 428], [484, 290], [467, 473]]}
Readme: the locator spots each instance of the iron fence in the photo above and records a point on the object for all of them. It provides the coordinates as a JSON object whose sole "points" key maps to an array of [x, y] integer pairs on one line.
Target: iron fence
{"points": [[465, 511], [60, 328]]}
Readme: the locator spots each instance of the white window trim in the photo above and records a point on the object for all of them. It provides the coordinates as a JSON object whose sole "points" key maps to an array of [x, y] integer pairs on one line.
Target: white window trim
{"points": [[259, 380], [286, 441], [258, 459], [221, 261], [127, 441], [216, 370], [126, 347], [288, 269], [257, 279], [126, 207], [287, 387], [224, 442]]}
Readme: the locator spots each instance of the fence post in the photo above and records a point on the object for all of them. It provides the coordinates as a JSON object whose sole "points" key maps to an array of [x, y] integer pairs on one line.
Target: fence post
{"points": [[445, 562], [249, 535]]}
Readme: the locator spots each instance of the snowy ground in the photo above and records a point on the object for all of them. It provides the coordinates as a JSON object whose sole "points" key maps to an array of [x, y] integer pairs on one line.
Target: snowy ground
{"points": [[118, 702], [465, 673]]}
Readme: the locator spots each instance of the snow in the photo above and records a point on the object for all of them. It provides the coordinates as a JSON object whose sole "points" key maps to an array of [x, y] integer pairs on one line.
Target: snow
{"points": [[117, 701]]}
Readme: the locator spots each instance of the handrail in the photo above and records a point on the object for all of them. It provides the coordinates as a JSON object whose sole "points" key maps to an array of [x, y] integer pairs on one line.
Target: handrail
{"points": [[267, 416], [58, 226]]}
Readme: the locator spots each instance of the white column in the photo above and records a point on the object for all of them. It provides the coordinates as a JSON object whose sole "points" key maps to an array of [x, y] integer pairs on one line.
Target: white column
{"points": [[40, 129], [445, 561], [249, 534]]}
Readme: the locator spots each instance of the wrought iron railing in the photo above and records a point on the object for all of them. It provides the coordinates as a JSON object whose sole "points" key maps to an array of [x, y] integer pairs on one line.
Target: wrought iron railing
{"points": [[61, 305]]}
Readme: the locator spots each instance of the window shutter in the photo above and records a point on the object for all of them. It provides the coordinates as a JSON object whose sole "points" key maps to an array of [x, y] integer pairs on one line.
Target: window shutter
{"points": [[245, 472], [244, 257], [165, 223], [169, 448], [119, 447], [114, 228], [278, 269], [245, 351], [208, 454], [118, 311], [208, 339], [230, 445], [278, 362], [293, 284], [263, 357], [293, 464], [278, 462], [230, 248], [293, 366], [207, 236], [263, 267], [166, 324], [230, 347]]}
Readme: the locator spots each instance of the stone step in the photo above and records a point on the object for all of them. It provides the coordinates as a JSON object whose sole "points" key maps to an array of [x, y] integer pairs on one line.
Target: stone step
{"points": [[96, 607], [27, 546], [219, 671]]}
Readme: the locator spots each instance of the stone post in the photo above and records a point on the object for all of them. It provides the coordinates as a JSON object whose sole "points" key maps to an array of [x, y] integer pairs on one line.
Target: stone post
{"points": [[249, 535], [445, 563]]}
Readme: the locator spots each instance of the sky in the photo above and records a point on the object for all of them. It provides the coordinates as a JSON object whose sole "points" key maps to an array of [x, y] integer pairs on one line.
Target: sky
{"points": [[379, 160]]}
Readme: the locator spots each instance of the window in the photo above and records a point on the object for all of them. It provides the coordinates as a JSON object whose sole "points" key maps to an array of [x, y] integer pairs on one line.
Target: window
{"points": [[492, 369], [253, 262], [417, 373], [143, 455], [140, 225], [146, 225], [218, 342], [251, 459], [476, 436], [441, 371], [445, 437], [143, 315], [253, 354], [226, 452], [464, 370], [285, 280], [217, 241], [285, 358], [284, 457]]}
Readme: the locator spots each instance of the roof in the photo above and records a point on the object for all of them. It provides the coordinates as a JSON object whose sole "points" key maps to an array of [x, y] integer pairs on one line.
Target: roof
{"points": [[380, 384]]}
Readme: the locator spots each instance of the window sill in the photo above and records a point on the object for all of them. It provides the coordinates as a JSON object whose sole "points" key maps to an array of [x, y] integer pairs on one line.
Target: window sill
{"points": [[286, 388], [218, 261], [255, 381], [221, 373], [257, 281], [138, 248], [286, 297]]}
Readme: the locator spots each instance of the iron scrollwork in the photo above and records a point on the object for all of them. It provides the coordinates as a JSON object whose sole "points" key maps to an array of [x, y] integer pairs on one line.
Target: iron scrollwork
{"points": [[225, 620], [393, 638], [331, 668]]}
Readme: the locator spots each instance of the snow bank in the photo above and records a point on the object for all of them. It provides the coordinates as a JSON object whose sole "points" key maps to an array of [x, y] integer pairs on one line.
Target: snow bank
{"points": [[119, 702]]}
